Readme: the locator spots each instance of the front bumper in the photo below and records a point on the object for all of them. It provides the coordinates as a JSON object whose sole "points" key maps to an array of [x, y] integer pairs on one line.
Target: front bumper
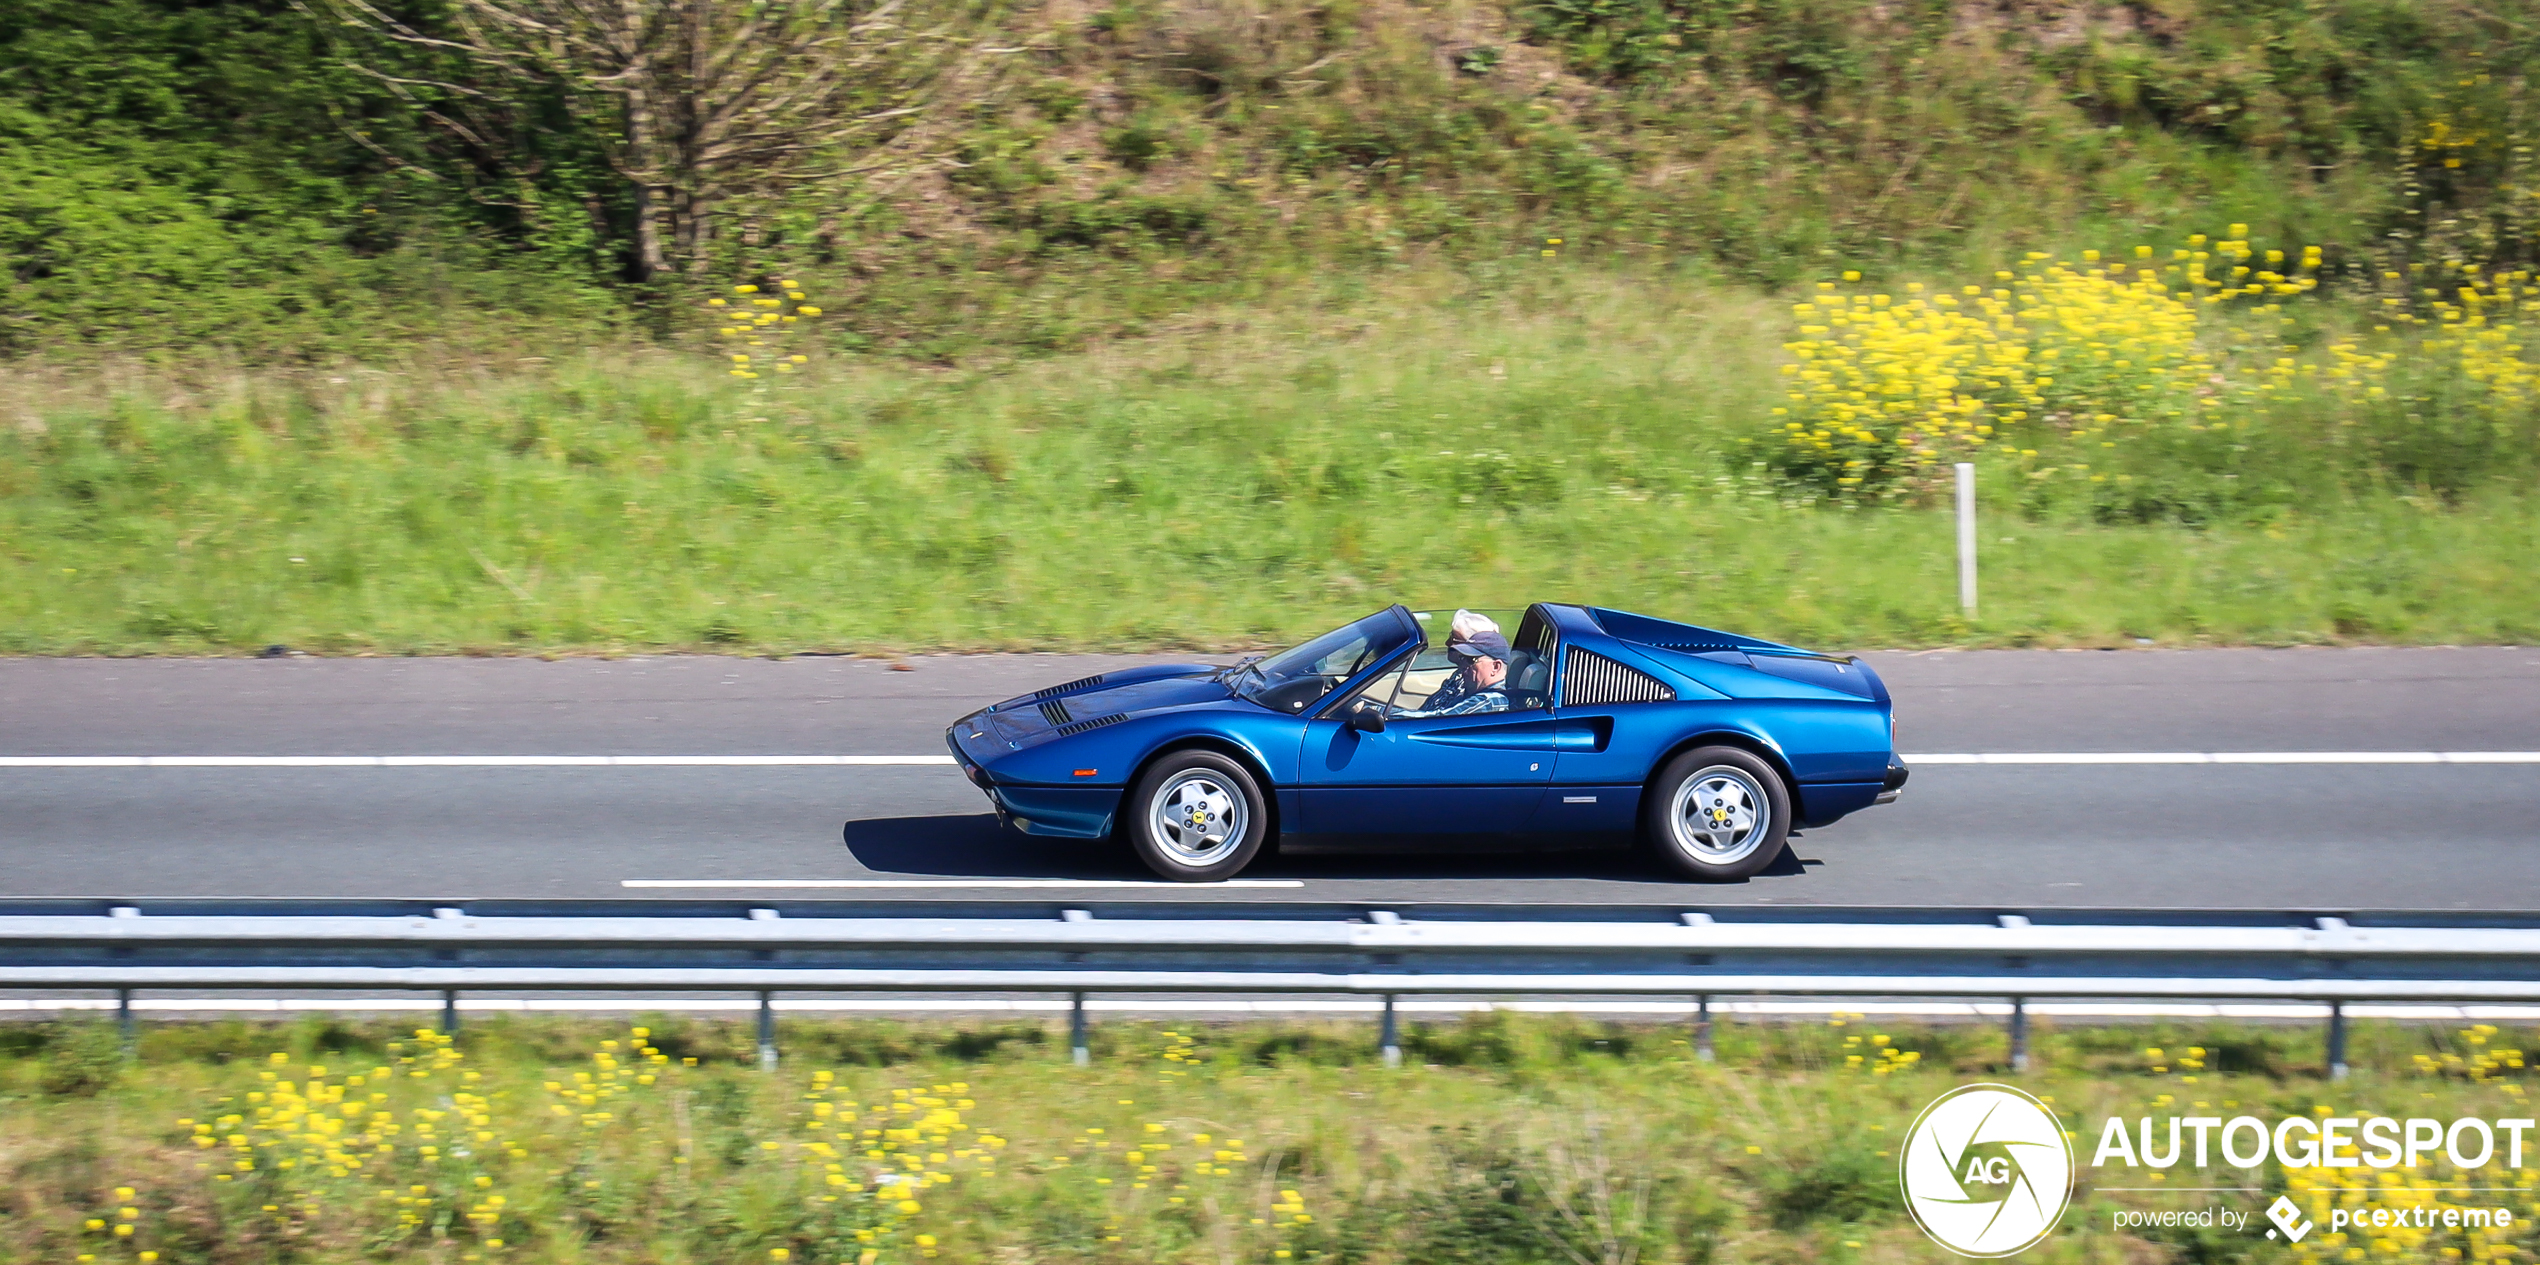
{"points": [[1063, 812], [970, 767]]}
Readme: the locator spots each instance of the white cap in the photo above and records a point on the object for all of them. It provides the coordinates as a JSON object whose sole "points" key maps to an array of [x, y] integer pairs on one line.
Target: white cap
{"points": [[1467, 623]]}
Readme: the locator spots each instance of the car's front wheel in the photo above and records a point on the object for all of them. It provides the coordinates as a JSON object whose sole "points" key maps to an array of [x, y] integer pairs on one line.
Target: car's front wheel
{"points": [[1717, 814], [1196, 817]]}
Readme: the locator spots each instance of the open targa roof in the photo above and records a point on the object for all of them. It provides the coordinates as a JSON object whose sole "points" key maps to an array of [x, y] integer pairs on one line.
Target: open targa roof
{"points": [[1674, 636]]}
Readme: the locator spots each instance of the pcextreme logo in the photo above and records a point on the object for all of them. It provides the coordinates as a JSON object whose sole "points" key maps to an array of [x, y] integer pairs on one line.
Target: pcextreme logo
{"points": [[1986, 1170]]}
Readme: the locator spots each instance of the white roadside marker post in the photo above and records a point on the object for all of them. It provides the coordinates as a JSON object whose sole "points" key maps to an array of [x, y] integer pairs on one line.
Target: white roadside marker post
{"points": [[1967, 537]]}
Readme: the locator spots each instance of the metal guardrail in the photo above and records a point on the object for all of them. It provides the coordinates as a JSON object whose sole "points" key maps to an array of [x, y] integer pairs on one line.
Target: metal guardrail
{"points": [[1175, 945]]}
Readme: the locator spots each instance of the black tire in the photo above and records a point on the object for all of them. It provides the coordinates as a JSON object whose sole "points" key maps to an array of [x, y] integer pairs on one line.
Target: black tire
{"points": [[1221, 814], [1701, 813]]}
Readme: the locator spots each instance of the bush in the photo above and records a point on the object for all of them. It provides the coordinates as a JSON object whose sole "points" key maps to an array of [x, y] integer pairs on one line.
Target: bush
{"points": [[1843, 1183], [81, 1058], [2130, 390]]}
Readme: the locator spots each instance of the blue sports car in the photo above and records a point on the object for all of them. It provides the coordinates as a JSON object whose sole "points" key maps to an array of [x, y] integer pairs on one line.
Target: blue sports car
{"points": [[1711, 746]]}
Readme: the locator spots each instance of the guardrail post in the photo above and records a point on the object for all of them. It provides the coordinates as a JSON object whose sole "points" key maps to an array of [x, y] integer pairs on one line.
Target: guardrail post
{"points": [[123, 1023], [2019, 1034], [1702, 1028], [766, 1031], [1389, 1039], [2337, 1040], [1077, 1050], [449, 1012]]}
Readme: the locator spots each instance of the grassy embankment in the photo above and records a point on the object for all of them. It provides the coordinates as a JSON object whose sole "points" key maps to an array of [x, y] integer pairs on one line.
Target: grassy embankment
{"points": [[1263, 474], [1505, 1141], [1198, 325]]}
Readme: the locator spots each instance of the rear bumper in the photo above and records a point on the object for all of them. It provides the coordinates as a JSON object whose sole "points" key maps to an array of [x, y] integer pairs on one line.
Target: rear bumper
{"points": [[1895, 783]]}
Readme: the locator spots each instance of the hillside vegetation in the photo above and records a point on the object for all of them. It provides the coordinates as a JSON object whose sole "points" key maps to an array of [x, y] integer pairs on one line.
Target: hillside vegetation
{"points": [[1209, 324], [264, 179]]}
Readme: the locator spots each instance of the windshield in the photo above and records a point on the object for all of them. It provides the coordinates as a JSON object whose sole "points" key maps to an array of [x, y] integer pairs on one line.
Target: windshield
{"points": [[1295, 679]]}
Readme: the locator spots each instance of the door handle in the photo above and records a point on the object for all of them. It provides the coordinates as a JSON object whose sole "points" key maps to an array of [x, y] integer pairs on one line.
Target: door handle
{"points": [[1589, 733]]}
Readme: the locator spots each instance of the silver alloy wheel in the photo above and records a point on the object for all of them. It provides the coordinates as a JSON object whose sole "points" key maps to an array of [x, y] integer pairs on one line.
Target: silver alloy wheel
{"points": [[1720, 815], [1197, 818]]}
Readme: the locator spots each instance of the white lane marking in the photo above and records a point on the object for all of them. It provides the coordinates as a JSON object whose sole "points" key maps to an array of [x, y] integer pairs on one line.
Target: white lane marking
{"points": [[942, 761], [1276, 1006], [450, 761], [2228, 757], [896, 884]]}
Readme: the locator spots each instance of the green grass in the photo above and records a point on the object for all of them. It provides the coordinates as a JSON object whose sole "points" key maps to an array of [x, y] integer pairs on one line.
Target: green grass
{"points": [[1504, 1139], [1259, 475]]}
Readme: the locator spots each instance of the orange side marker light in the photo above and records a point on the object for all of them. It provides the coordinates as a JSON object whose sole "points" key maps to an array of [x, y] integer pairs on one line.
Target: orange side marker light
{"points": [[1087, 772]]}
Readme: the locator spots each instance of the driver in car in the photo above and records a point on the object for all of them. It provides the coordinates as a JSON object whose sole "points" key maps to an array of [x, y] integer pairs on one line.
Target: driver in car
{"points": [[1481, 659]]}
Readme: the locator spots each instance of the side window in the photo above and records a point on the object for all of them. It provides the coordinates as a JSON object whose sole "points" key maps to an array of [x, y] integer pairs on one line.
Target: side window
{"points": [[1420, 680], [1385, 689], [1530, 664]]}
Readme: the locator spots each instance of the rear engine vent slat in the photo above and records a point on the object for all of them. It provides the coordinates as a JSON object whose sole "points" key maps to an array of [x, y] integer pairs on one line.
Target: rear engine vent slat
{"points": [[1069, 688], [1589, 679], [1096, 722]]}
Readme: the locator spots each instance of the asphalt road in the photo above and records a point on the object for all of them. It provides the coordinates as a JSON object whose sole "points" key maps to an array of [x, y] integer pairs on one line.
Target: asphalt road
{"points": [[2206, 835]]}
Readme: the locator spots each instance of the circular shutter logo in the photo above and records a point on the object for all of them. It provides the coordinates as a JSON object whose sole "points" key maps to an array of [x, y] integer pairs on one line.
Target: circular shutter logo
{"points": [[1987, 1170]]}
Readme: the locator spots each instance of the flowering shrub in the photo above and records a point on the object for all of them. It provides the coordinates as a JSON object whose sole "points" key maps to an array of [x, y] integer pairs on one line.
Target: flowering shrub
{"points": [[752, 319], [425, 1150], [2058, 361]]}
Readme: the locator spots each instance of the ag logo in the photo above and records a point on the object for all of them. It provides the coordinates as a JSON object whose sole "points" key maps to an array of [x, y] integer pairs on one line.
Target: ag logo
{"points": [[1986, 1170]]}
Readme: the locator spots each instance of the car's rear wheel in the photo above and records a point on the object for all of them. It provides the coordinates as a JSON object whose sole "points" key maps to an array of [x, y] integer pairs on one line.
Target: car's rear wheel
{"points": [[1717, 814], [1196, 817]]}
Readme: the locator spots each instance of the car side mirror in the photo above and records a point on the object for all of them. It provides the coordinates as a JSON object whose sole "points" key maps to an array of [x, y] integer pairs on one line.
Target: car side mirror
{"points": [[1367, 716]]}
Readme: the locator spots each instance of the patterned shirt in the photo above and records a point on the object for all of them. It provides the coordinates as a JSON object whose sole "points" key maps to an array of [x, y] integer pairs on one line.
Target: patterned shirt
{"points": [[1458, 697], [1473, 704]]}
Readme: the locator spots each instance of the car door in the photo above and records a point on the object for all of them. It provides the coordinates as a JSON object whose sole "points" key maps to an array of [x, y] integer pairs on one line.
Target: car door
{"points": [[1623, 718], [1467, 774]]}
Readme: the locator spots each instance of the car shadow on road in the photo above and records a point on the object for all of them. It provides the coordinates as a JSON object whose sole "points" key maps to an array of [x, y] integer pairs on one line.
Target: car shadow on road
{"points": [[974, 846]]}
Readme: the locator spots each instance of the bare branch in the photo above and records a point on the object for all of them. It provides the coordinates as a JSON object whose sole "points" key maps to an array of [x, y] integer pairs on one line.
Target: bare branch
{"points": [[403, 82], [693, 102], [363, 139]]}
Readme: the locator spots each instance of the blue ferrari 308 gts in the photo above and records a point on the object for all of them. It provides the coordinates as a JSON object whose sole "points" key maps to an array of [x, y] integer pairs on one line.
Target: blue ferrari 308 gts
{"points": [[1711, 746]]}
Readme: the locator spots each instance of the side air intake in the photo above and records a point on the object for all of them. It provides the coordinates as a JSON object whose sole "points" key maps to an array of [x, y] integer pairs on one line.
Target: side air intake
{"points": [[1590, 679], [1069, 688], [1074, 727]]}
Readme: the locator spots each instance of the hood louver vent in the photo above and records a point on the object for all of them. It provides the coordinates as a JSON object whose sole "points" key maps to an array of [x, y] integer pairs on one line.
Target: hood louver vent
{"points": [[1056, 713], [1590, 679], [1069, 688], [1074, 727]]}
